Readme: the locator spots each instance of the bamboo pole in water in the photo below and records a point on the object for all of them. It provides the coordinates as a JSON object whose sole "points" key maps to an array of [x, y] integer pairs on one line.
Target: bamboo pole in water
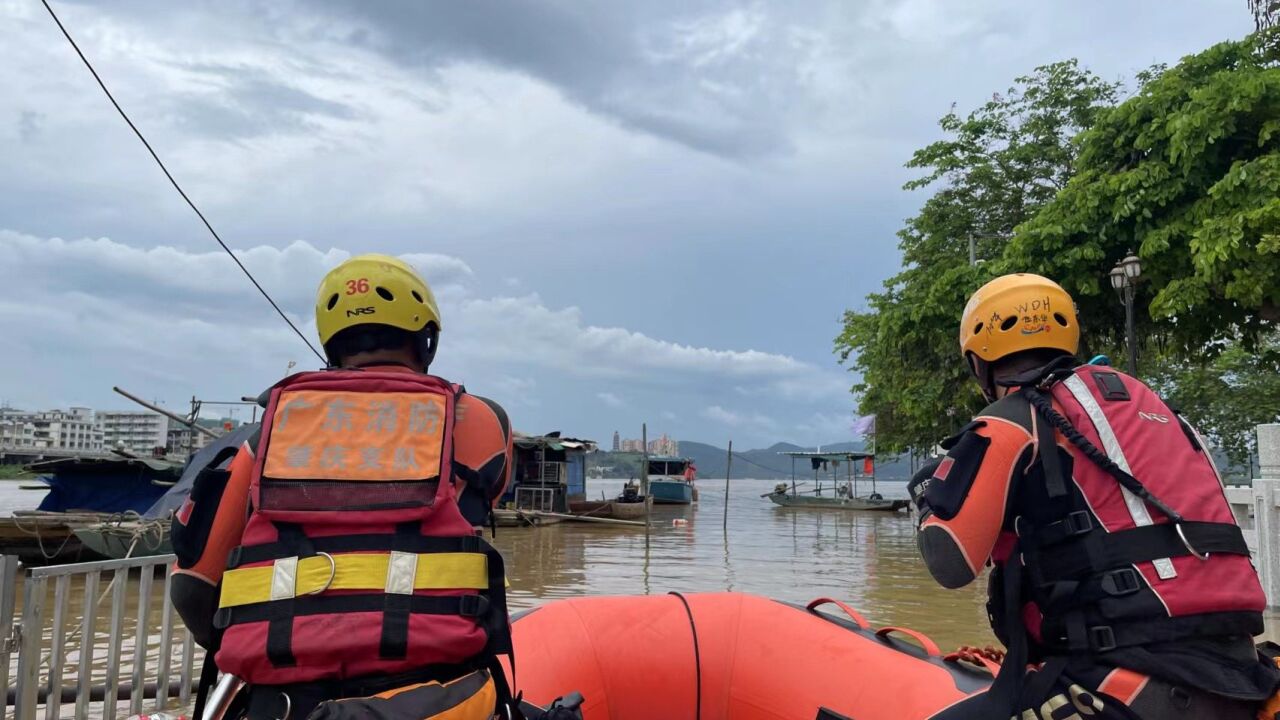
{"points": [[644, 478], [728, 471]]}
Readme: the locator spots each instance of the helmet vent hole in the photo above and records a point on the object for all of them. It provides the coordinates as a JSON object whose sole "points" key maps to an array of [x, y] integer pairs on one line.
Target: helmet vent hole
{"points": [[1009, 322], [418, 297], [1060, 318], [385, 294], [977, 328], [333, 300]]}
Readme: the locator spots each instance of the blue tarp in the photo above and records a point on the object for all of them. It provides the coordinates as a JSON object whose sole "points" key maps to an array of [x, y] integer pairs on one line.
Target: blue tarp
{"points": [[176, 495], [104, 485]]}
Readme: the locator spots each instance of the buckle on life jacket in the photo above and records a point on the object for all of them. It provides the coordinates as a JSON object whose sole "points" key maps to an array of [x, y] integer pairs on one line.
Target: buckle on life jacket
{"points": [[1121, 582], [1102, 638], [473, 605]]}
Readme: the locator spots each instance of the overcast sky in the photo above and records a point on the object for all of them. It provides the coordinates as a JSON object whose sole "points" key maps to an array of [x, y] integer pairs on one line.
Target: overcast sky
{"points": [[642, 211]]}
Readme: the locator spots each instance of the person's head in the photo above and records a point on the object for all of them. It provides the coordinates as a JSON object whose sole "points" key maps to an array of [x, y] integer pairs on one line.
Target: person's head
{"points": [[377, 309], [1013, 325]]}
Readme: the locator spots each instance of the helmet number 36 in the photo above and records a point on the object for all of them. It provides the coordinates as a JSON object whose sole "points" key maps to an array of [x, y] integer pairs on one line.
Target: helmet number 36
{"points": [[358, 287]]}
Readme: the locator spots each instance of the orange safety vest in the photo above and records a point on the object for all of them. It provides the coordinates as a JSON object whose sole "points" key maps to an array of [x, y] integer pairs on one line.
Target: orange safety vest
{"points": [[355, 559]]}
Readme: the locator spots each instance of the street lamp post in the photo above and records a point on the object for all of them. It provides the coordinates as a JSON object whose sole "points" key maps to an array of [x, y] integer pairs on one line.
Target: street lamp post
{"points": [[1124, 278]]}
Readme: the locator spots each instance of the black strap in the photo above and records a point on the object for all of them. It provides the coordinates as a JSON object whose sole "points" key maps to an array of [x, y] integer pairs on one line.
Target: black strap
{"points": [[1055, 481], [1002, 698], [279, 616], [208, 678], [1045, 407], [697, 657], [394, 641], [380, 542], [465, 605], [1100, 551], [1083, 638], [280, 613]]}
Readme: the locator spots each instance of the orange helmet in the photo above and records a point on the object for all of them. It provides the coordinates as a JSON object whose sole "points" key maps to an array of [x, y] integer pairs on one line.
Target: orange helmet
{"points": [[1018, 312]]}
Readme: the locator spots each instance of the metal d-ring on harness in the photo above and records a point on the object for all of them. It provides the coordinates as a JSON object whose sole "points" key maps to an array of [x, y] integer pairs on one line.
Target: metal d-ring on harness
{"points": [[333, 571], [1177, 527], [288, 706]]}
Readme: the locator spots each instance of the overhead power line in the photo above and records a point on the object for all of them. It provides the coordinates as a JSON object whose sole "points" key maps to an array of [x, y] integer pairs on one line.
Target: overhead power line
{"points": [[174, 182]]}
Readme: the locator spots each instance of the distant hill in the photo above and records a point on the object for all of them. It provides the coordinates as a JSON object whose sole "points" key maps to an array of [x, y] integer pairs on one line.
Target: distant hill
{"points": [[763, 463]]}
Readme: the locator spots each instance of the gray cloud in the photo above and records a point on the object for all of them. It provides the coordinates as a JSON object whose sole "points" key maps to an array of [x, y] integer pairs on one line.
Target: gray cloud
{"points": [[663, 185]]}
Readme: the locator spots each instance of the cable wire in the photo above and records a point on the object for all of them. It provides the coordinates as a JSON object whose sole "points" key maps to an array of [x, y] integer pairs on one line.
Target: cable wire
{"points": [[763, 467], [174, 182]]}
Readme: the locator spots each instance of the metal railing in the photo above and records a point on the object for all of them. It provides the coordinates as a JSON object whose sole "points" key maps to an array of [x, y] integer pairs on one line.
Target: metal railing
{"points": [[92, 650]]}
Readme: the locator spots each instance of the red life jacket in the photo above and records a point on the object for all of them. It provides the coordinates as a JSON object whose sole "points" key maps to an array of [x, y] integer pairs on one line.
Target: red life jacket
{"points": [[355, 559], [1145, 548]]}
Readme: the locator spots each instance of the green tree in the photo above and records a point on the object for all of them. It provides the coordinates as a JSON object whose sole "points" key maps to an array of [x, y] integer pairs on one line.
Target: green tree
{"points": [[996, 168], [1187, 173], [1225, 395]]}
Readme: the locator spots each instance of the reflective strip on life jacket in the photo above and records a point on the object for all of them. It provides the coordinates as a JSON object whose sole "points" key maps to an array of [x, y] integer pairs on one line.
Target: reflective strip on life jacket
{"points": [[396, 573], [1137, 508]]}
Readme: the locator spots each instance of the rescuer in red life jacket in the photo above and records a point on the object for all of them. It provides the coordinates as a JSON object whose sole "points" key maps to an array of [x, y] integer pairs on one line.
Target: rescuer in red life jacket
{"points": [[336, 556], [1119, 568]]}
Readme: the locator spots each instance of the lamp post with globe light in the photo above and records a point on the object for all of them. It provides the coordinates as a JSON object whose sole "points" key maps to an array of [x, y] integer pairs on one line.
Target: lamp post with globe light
{"points": [[1124, 278]]}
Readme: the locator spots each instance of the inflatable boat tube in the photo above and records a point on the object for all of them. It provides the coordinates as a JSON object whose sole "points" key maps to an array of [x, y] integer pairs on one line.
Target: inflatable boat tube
{"points": [[731, 655]]}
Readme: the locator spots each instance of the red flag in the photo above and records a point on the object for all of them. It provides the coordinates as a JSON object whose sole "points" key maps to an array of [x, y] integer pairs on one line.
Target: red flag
{"points": [[868, 466]]}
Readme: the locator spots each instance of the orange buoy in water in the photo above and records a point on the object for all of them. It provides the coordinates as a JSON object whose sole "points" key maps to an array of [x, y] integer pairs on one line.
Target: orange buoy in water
{"points": [[730, 655]]}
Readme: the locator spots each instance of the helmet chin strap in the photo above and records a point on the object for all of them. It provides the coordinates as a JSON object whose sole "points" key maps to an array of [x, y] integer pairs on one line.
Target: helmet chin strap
{"points": [[982, 372], [430, 342]]}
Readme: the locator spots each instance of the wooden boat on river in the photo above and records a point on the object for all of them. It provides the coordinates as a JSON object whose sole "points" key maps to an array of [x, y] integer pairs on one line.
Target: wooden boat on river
{"points": [[833, 492]]}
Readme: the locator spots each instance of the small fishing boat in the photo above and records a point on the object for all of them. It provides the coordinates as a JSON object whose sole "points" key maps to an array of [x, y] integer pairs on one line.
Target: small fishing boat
{"points": [[630, 504], [837, 493], [671, 480], [732, 655]]}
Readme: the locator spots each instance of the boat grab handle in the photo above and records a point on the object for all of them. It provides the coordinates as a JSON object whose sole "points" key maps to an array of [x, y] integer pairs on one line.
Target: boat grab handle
{"points": [[929, 646], [853, 614]]}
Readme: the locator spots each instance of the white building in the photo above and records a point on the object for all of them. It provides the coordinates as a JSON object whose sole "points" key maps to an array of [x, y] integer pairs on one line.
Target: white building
{"points": [[17, 432], [138, 431], [73, 429]]}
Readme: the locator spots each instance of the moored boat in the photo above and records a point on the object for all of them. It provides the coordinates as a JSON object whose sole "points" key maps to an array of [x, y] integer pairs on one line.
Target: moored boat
{"points": [[671, 480], [832, 491], [731, 655]]}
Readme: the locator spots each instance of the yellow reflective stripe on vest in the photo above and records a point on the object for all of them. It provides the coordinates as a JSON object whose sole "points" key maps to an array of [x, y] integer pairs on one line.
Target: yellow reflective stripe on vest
{"points": [[351, 571]]}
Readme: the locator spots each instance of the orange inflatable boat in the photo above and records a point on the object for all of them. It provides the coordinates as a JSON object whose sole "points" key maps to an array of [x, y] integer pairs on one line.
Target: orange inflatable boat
{"points": [[730, 655]]}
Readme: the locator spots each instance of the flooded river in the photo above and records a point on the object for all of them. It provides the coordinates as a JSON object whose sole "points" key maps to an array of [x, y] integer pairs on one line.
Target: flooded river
{"points": [[868, 560]]}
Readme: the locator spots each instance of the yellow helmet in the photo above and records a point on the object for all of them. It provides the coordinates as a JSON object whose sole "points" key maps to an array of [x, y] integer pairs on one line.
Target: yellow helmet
{"points": [[1018, 312], [377, 290]]}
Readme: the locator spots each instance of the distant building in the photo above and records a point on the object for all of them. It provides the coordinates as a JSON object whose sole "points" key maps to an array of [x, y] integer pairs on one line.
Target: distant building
{"points": [[658, 446], [72, 429], [617, 444], [184, 440], [664, 446], [138, 431], [17, 432]]}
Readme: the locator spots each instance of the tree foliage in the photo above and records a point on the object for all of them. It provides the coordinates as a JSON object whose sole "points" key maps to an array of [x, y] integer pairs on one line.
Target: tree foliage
{"points": [[1187, 173], [997, 166], [1226, 395]]}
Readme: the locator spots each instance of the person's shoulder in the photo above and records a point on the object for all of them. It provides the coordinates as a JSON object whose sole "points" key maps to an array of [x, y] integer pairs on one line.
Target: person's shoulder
{"points": [[1012, 408], [469, 405]]}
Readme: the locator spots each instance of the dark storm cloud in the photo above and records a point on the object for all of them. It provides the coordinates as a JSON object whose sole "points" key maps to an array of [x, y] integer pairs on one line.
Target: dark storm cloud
{"points": [[656, 67]]}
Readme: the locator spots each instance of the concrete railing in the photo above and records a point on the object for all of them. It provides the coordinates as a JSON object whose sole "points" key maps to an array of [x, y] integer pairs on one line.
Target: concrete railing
{"points": [[1257, 510]]}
